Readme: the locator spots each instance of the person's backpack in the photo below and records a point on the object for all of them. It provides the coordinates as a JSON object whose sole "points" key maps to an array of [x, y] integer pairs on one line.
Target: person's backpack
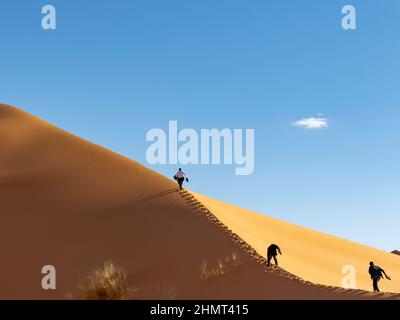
{"points": [[377, 272]]}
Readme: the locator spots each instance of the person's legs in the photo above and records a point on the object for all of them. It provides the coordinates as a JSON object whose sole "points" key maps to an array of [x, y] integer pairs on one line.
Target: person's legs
{"points": [[276, 260], [375, 284], [269, 260], [180, 182]]}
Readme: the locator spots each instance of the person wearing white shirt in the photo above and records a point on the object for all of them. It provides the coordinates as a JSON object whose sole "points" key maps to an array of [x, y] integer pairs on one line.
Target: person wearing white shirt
{"points": [[180, 177]]}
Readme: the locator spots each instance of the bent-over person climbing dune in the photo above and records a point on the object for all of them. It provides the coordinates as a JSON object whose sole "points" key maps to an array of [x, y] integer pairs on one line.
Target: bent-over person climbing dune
{"points": [[272, 252]]}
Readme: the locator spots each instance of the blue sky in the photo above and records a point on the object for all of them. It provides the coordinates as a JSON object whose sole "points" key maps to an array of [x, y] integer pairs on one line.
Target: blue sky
{"points": [[115, 69]]}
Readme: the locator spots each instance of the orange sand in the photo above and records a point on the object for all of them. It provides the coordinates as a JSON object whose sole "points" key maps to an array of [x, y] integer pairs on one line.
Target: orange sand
{"points": [[72, 204]]}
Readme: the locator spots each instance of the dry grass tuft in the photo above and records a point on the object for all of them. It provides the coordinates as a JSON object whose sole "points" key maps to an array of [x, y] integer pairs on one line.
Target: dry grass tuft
{"points": [[106, 283], [220, 268], [168, 291]]}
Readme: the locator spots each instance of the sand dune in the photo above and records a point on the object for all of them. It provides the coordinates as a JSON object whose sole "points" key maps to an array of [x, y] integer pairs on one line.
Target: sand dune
{"points": [[311, 255], [72, 204]]}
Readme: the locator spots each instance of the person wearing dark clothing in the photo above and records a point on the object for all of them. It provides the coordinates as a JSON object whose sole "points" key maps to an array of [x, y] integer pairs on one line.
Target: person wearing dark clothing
{"points": [[272, 252], [376, 274], [180, 177]]}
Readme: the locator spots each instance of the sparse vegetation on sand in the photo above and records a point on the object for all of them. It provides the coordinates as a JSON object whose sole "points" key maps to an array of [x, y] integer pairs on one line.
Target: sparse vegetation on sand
{"points": [[168, 291], [220, 268], [106, 283]]}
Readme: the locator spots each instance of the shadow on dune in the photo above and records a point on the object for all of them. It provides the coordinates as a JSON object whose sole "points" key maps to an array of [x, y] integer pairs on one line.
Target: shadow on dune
{"points": [[134, 205], [156, 196]]}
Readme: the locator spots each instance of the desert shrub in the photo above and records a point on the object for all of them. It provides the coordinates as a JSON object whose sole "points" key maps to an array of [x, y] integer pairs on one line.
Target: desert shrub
{"points": [[106, 283], [167, 291], [220, 268]]}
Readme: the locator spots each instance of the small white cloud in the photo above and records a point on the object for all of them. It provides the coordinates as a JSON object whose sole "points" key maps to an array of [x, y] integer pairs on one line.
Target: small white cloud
{"points": [[312, 123]]}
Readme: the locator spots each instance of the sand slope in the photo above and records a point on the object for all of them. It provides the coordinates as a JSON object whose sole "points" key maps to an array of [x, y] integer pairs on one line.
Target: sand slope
{"points": [[72, 204], [309, 254]]}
